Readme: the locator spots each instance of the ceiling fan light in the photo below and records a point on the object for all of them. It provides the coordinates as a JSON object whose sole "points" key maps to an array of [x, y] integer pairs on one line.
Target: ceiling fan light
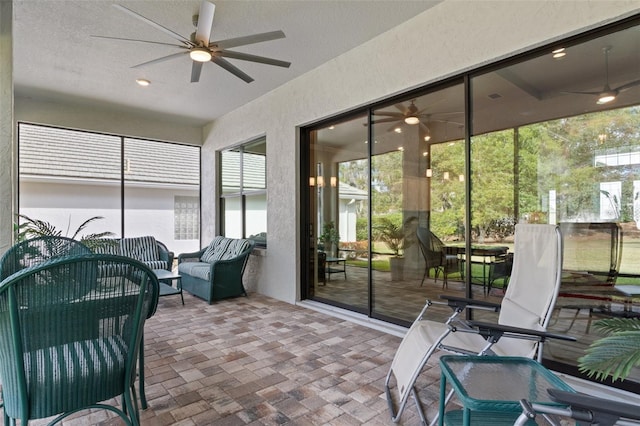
{"points": [[412, 119], [200, 54], [606, 97]]}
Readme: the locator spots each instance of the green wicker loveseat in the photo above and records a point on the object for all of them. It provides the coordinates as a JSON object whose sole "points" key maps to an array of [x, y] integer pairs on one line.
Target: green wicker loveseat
{"points": [[215, 272], [146, 249]]}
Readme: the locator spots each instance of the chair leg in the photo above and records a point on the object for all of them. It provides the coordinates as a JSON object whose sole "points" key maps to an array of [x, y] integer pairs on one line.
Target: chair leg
{"points": [[143, 395], [426, 273]]}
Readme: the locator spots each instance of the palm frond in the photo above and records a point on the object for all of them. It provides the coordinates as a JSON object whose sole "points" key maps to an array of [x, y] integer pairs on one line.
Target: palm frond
{"points": [[99, 240], [616, 325], [85, 224], [37, 228], [613, 356]]}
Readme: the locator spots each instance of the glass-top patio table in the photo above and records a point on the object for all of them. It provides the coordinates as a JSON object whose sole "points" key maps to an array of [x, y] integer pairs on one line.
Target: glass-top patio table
{"points": [[490, 388], [165, 279]]}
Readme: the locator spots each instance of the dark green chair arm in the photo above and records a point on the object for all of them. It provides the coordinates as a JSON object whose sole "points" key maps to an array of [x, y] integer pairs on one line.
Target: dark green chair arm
{"points": [[182, 257], [166, 255]]}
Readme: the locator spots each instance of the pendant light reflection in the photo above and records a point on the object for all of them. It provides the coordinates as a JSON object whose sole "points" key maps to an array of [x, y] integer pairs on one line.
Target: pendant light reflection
{"points": [[319, 181]]}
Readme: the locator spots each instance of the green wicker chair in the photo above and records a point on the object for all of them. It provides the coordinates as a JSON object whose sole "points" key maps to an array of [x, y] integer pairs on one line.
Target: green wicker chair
{"points": [[36, 250], [70, 332]]}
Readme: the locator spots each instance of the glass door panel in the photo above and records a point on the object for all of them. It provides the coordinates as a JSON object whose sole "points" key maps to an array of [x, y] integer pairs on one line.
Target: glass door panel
{"points": [[543, 152], [338, 215], [417, 198]]}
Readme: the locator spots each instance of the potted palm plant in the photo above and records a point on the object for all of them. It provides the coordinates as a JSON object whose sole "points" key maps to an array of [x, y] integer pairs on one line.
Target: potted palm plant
{"points": [[617, 353], [395, 237], [30, 228], [330, 238]]}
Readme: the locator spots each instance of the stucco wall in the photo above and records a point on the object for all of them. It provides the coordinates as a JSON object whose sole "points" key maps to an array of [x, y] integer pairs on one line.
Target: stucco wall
{"points": [[104, 120], [6, 129], [443, 41]]}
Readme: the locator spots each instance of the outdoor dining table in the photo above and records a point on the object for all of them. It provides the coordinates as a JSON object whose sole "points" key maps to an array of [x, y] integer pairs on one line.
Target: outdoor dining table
{"points": [[484, 255]]}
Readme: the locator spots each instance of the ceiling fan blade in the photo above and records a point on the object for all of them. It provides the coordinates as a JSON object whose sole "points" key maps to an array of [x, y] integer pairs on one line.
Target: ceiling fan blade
{"points": [[389, 114], [250, 39], [627, 86], [580, 93], [232, 69], [401, 108], [448, 122], [252, 58], [158, 60], [139, 41], [446, 113], [205, 22], [154, 24], [385, 120], [196, 69], [395, 126]]}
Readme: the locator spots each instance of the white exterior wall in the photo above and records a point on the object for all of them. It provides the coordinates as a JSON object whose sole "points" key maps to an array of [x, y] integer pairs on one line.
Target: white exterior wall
{"points": [[443, 41], [148, 211]]}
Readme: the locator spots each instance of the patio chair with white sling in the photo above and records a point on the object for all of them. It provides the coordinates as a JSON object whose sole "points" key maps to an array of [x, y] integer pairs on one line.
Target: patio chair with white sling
{"points": [[521, 328]]}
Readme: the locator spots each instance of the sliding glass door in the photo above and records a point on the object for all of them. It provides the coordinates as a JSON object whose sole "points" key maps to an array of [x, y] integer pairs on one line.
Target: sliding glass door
{"points": [[338, 182], [552, 138]]}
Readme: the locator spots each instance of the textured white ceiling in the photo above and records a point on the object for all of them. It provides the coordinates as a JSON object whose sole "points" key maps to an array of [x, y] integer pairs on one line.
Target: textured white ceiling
{"points": [[55, 58]]}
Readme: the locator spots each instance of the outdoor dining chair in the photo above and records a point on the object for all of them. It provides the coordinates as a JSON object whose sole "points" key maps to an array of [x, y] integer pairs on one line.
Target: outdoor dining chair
{"points": [[435, 257], [70, 335], [520, 331]]}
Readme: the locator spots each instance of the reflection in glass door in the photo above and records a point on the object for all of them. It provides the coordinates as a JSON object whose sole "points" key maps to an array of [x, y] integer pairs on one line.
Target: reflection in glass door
{"points": [[418, 202], [338, 183]]}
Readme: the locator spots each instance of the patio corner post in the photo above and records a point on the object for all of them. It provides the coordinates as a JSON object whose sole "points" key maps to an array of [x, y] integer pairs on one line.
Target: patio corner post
{"points": [[8, 161]]}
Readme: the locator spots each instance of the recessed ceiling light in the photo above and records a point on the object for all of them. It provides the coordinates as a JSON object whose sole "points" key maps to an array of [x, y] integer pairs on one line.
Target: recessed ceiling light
{"points": [[143, 82], [397, 130]]}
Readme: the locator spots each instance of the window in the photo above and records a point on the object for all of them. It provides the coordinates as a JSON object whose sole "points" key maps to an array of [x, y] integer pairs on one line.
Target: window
{"points": [[187, 218], [243, 191], [138, 187]]}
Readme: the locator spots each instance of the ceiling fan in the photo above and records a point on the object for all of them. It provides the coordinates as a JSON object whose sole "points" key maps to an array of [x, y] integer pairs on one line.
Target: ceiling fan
{"points": [[411, 115], [607, 94], [201, 49]]}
